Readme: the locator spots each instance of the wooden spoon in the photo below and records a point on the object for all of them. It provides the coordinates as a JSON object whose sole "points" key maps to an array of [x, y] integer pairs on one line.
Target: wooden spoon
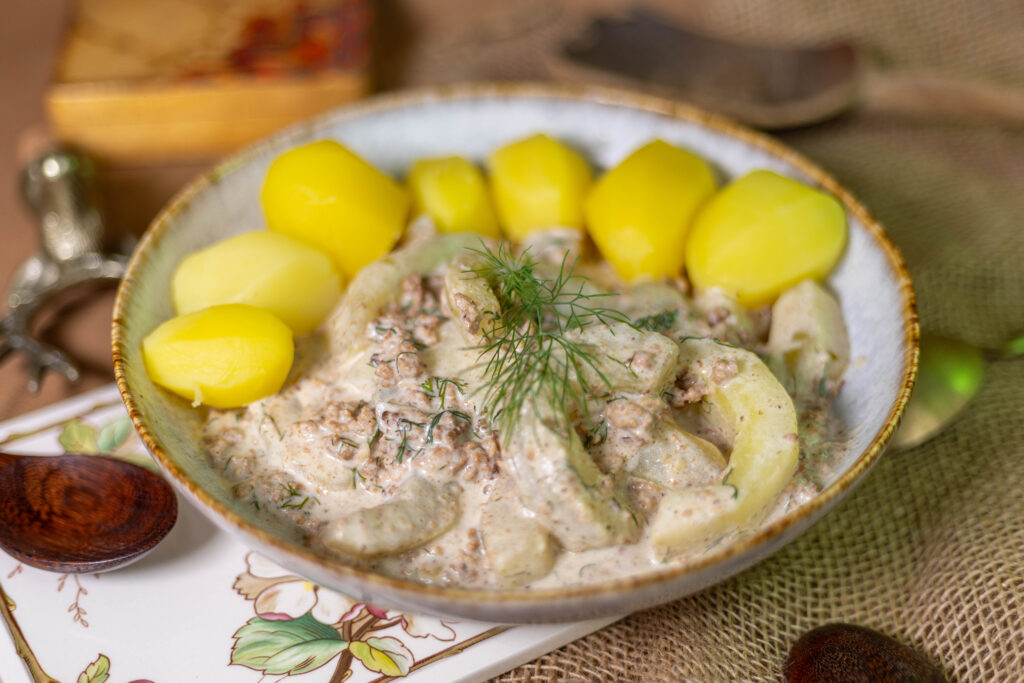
{"points": [[81, 513], [771, 87]]}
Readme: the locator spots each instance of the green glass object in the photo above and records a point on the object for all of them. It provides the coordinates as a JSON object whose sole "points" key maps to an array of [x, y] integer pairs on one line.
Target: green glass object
{"points": [[949, 374]]}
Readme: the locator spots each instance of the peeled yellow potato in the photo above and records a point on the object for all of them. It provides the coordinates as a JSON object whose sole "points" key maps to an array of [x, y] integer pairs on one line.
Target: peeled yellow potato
{"points": [[326, 196], [454, 193], [538, 183], [639, 212], [290, 279], [222, 356], [762, 234]]}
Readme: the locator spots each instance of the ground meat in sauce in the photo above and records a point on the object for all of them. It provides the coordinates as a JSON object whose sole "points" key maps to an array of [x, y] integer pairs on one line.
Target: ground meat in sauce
{"points": [[329, 448]]}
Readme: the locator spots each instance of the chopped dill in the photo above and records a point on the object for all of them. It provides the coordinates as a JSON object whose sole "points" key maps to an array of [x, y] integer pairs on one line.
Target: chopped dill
{"points": [[530, 354], [623, 364], [347, 442], [288, 504], [596, 435], [714, 339], [437, 387], [267, 416], [373, 437], [356, 475], [433, 423], [661, 322], [725, 482], [457, 414], [402, 447]]}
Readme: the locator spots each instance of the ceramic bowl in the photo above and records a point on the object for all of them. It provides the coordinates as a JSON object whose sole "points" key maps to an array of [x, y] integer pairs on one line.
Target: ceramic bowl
{"points": [[391, 131]]}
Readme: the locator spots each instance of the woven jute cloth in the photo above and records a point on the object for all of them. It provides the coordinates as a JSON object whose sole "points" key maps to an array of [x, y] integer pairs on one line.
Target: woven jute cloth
{"points": [[930, 547]]}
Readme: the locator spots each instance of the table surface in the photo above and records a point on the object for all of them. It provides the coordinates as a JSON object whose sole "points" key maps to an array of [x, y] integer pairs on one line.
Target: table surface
{"points": [[928, 548]]}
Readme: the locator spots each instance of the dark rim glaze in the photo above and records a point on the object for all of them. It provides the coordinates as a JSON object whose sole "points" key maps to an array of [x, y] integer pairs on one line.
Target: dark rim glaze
{"points": [[533, 597]]}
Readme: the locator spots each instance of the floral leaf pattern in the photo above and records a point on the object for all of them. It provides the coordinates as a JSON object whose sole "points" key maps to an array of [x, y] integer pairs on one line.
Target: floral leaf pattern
{"points": [[81, 437], [97, 672], [291, 646], [384, 655], [427, 627], [78, 437], [113, 434], [300, 626]]}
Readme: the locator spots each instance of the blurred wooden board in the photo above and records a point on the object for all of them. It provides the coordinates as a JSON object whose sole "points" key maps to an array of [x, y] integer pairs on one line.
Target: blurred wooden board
{"points": [[159, 80]]}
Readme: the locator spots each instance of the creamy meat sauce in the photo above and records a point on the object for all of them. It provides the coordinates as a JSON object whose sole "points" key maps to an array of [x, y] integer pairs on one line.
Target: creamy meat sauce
{"points": [[378, 454]]}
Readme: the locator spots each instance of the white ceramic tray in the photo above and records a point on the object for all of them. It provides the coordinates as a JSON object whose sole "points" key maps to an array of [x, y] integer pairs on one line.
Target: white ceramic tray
{"points": [[202, 607]]}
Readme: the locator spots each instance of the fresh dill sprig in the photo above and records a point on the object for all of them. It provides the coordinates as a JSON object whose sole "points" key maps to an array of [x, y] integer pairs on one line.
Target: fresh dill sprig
{"points": [[529, 354]]}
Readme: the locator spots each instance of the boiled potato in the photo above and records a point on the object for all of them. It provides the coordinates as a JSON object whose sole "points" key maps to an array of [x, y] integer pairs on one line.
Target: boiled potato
{"points": [[326, 196], [639, 212], [808, 345], [538, 183], [454, 193], [290, 279], [222, 356], [762, 234]]}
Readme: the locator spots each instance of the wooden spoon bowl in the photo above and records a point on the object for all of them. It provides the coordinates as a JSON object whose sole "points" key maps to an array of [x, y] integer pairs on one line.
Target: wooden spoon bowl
{"points": [[81, 513]]}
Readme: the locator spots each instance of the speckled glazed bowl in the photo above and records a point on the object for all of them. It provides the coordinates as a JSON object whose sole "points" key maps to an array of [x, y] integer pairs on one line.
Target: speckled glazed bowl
{"points": [[393, 130]]}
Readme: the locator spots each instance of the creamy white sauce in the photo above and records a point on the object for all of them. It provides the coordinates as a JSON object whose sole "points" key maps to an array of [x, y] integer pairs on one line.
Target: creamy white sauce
{"points": [[349, 431]]}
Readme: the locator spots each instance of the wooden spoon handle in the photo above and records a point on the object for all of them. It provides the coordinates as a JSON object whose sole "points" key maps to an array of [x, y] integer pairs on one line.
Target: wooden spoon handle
{"points": [[931, 95]]}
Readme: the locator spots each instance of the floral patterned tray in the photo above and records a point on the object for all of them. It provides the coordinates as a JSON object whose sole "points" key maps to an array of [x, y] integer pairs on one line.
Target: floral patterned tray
{"points": [[202, 607]]}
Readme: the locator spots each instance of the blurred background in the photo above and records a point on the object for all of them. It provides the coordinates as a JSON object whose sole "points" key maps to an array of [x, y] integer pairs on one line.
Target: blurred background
{"points": [[157, 89], [920, 111]]}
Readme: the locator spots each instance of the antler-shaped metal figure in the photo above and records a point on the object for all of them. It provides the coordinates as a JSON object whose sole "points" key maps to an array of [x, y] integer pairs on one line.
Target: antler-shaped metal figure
{"points": [[59, 188]]}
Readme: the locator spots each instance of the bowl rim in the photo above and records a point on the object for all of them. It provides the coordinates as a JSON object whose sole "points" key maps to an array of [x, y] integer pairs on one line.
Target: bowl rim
{"points": [[602, 95]]}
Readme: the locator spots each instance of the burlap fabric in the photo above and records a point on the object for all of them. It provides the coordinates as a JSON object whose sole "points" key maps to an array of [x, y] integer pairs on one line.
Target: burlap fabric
{"points": [[930, 548]]}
